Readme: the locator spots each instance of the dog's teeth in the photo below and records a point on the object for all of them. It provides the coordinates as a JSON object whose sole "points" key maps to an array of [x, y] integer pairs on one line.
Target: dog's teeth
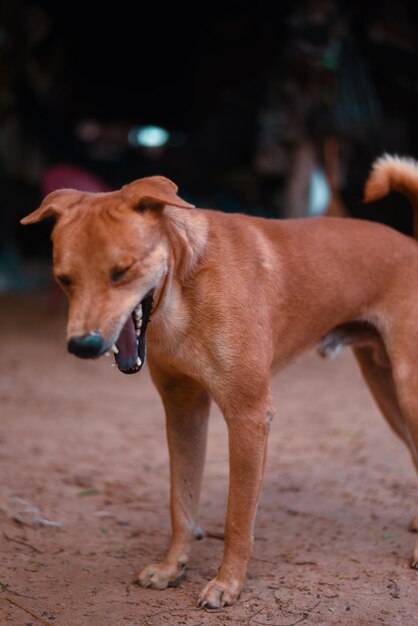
{"points": [[113, 365], [114, 349], [107, 353], [138, 332], [138, 311], [138, 362]]}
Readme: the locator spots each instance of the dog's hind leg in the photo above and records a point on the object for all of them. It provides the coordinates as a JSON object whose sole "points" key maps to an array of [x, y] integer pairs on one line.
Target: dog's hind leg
{"points": [[407, 385], [376, 368], [187, 409], [375, 365], [379, 379], [396, 391]]}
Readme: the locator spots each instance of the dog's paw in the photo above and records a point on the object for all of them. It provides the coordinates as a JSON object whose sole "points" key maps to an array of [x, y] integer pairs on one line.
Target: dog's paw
{"points": [[217, 594], [413, 524], [413, 562], [160, 576]]}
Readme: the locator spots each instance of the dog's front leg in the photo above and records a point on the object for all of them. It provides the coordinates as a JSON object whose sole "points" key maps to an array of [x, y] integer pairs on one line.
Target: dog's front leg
{"points": [[247, 433], [187, 409]]}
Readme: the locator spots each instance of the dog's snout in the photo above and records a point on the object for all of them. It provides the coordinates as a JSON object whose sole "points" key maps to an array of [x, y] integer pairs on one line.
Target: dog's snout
{"points": [[86, 346]]}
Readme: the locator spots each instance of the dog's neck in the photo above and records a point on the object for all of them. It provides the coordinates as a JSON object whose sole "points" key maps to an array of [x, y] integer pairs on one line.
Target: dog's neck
{"points": [[186, 237]]}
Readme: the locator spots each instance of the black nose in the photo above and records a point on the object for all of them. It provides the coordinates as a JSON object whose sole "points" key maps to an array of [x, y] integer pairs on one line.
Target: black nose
{"points": [[86, 346]]}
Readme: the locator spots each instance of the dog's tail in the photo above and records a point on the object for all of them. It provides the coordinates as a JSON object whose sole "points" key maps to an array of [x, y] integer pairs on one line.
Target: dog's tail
{"points": [[393, 173]]}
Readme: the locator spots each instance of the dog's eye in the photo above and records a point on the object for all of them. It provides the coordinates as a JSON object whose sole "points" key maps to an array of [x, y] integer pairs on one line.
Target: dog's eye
{"points": [[64, 280], [118, 273]]}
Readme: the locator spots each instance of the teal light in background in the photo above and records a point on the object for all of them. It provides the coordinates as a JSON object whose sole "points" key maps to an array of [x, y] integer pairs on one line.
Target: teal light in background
{"points": [[148, 136], [319, 193]]}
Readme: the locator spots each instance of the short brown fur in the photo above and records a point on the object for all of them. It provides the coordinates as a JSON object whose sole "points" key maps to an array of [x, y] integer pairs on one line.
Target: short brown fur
{"points": [[236, 298]]}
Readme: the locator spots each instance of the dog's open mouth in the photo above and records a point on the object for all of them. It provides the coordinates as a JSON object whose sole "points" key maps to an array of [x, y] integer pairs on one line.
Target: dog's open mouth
{"points": [[130, 351]]}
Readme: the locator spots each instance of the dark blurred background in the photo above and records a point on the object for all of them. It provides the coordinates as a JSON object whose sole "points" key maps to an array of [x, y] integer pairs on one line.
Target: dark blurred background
{"points": [[277, 110]]}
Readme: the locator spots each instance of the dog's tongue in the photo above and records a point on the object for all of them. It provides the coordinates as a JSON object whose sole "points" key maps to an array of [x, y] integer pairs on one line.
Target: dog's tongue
{"points": [[127, 345]]}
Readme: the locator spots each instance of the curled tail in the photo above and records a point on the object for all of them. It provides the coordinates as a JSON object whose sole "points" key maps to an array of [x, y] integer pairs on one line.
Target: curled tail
{"points": [[393, 173]]}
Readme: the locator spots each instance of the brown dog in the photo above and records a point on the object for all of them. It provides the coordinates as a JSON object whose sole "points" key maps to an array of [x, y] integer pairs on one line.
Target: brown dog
{"points": [[232, 298]]}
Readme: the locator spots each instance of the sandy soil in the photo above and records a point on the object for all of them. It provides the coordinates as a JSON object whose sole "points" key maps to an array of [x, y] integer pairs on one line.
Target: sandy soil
{"points": [[84, 496]]}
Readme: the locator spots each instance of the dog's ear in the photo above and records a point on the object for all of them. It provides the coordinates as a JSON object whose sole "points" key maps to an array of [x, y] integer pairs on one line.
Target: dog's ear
{"points": [[53, 205], [153, 192]]}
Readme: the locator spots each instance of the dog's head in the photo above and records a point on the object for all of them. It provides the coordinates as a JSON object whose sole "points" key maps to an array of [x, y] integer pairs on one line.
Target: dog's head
{"points": [[110, 256]]}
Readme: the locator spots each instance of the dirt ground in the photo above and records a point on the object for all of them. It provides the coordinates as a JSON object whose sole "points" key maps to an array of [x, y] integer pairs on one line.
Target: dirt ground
{"points": [[84, 496]]}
